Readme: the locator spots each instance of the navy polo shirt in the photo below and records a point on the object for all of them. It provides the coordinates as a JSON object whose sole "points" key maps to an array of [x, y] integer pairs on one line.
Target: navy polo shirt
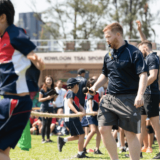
{"points": [[152, 61], [123, 67], [80, 93]]}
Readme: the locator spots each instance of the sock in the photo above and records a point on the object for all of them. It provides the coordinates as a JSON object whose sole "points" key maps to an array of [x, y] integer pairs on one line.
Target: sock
{"points": [[65, 140], [80, 153]]}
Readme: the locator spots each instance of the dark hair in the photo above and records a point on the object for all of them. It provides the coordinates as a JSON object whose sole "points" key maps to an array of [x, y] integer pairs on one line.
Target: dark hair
{"points": [[72, 86], [44, 87], [146, 42], [114, 27], [80, 71], [90, 82], [7, 8]]}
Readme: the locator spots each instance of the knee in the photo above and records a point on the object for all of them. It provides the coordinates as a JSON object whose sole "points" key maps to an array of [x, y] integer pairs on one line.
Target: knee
{"points": [[130, 135], [93, 131], [105, 130], [81, 136]]}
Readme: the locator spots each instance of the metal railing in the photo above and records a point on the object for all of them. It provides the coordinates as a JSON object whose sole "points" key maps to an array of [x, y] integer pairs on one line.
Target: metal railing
{"points": [[65, 45]]}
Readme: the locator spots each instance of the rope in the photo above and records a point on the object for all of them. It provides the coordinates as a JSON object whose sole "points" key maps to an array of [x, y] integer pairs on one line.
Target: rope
{"points": [[49, 115]]}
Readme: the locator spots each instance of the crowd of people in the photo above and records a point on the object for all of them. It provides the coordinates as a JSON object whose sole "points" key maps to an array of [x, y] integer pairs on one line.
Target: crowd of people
{"points": [[130, 104]]}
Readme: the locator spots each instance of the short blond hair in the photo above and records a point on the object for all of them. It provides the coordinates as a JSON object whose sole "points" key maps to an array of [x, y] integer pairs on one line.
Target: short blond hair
{"points": [[114, 27]]}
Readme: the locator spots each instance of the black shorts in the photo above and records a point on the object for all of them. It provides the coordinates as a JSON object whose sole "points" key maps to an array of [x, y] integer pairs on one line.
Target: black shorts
{"points": [[151, 105], [75, 127], [14, 115], [120, 110], [57, 108], [115, 127]]}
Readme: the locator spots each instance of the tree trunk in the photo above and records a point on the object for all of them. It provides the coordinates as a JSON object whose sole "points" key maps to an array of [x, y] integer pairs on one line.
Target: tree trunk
{"points": [[117, 15], [75, 25], [130, 20]]}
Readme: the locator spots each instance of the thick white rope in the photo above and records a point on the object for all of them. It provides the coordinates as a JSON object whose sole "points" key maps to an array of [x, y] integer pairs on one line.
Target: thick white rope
{"points": [[50, 115]]}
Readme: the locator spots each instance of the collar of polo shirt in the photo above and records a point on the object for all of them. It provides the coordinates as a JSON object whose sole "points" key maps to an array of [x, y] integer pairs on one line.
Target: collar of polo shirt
{"points": [[121, 48]]}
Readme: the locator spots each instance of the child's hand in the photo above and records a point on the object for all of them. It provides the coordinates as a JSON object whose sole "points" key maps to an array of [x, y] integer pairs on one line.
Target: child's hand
{"points": [[95, 113], [92, 91], [50, 97], [81, 113], [37, 61]]}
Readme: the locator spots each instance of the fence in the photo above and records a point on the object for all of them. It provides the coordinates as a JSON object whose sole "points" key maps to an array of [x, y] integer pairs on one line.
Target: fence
{"points": [[66, 45]]}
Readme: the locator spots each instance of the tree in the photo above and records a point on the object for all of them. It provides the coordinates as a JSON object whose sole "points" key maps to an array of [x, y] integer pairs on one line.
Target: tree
{"points": [[130, 11], [88, 20]]}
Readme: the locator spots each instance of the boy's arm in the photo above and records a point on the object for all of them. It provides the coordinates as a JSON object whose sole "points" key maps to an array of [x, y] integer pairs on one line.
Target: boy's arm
{"points": [[142, 36], [37, 61], [82, 109], [71, 106]]}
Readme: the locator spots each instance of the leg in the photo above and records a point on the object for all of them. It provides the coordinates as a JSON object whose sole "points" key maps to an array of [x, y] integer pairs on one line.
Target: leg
{"points": [[80, 143], [43, 128], [114, 133], [98, 139], [86, 130], [145, 142], [156, 127], [4, 155], [90, 135], [134, 145], [31, 130], [52, 127], [40, 127], [72, 138], [143, 129], [150, 140], [49, 120], [109, 141], [122, 137]]}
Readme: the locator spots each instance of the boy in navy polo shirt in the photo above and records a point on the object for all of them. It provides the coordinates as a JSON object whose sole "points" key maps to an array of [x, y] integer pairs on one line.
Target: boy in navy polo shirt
{"points": [[73, 124], [19, 75], [151, 96], [127, 73]]}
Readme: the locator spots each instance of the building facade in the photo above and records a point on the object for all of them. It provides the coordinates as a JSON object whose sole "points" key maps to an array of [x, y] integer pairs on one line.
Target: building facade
{"points": [[31, 24]]}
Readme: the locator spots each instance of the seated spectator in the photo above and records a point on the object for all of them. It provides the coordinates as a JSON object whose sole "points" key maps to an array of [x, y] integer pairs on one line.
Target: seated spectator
{"points": [[31, 120], [59, 127], [53, 125], [36, 126]]}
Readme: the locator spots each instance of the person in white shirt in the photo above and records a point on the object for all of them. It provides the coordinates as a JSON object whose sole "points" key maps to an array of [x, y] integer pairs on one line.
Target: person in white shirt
{"points": [[59, 101]]}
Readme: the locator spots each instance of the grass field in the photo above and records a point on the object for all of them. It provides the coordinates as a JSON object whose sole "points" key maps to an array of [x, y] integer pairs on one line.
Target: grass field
{"points": [[49, 151]]}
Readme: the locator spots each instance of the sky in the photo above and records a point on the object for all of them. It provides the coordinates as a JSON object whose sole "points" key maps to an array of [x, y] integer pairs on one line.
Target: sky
{"points": [[22, 6]]}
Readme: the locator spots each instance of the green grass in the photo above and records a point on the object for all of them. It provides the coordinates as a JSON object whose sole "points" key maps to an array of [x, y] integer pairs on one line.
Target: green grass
{"points": [[49, 151]]}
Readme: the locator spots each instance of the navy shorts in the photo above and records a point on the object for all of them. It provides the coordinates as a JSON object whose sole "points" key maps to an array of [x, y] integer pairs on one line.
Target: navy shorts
{"points": [[74, 126], [14, 115], [86, 121]]}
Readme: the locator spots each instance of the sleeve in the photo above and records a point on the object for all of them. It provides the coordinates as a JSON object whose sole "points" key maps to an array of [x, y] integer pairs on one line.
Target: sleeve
{"points": [[70, 95], [152, 63], [89, 96], [139, 63], [41, 91], [21, 42], [104, 69]]}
